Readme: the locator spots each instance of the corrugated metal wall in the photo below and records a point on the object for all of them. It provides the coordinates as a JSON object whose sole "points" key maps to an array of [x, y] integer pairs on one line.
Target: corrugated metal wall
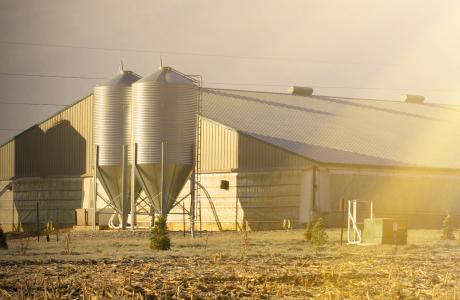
{"points": [[62, 145], [68, 140], [257, 155], [219, 147], [224, 150], [59, 146], [28, 152], [7, 160]]}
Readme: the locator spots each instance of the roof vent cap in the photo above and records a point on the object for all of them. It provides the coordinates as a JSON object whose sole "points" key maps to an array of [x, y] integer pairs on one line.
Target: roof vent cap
{"points": [[419, 99], [300, 90]]}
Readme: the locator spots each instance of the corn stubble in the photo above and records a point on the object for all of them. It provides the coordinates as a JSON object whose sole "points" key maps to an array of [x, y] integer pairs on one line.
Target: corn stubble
{"points": [[415, 272]]}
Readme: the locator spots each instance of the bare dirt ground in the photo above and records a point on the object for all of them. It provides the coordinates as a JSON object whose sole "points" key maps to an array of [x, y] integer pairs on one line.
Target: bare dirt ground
{"points": [[228, 265]]}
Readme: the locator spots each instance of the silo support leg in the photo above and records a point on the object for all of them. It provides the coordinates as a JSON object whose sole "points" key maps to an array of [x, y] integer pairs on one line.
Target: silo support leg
{"points": [[192, 193], [94, 199], [96, 164], [124, 188], [164, 184], [133, 182]]}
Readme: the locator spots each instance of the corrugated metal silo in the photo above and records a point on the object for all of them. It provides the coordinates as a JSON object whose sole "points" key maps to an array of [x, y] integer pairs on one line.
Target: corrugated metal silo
{"points": [[112, 130], [165, 111]]}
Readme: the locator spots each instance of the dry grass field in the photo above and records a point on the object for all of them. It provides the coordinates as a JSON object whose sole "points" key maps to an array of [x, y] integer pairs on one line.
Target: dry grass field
{"points": [[228, 265]]}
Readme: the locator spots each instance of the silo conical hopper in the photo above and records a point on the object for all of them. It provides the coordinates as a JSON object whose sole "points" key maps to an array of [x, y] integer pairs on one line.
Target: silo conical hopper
{"points": [[112, 130], [165, 111]]}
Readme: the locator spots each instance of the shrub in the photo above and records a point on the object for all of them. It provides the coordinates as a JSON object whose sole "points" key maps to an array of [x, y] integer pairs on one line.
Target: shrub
{"points": [[318, 233], [308, 230], [159, 238], [447, 228], [3, 244]]}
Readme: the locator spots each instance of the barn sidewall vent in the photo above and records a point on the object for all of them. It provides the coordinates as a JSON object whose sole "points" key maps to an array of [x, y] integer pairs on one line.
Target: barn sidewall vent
{"points": [[419, 99], [300, 90]]}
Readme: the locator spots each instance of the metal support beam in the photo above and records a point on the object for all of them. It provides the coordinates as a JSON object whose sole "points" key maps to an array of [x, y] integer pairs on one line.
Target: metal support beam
{"points": [[164, 184], [133, 182], [95, 167], [192, 195], [355, 237], [124, 188]]}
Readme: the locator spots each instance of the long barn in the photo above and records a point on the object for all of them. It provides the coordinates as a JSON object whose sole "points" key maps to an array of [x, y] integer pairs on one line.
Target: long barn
{"points": [[266, 159]]}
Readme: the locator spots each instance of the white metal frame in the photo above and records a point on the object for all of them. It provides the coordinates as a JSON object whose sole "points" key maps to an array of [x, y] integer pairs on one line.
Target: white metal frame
{"points": [[354, 234]]}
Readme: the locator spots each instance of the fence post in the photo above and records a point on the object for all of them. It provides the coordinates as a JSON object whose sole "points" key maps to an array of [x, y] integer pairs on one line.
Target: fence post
{"points": [[342, 208], [12, 210], [38, 223], [57, 224]]}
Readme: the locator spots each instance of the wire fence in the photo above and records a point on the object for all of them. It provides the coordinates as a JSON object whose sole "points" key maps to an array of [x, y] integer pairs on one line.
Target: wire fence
{"points": [[40, 221]]}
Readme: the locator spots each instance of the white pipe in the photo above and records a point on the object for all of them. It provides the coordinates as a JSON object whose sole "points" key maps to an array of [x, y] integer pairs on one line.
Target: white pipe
{"points": [[354, 219], [119, 226]]}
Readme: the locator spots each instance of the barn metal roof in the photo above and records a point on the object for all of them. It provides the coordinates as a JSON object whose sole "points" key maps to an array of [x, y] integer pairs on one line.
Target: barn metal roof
{"points": [[343, 130]]}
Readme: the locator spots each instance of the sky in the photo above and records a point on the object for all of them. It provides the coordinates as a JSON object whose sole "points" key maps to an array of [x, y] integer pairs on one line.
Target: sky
{"points": [[357, 48]]}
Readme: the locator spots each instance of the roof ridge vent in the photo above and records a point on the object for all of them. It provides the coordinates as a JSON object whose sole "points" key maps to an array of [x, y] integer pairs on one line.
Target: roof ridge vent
{"points": [[419, 99], [300, 90]]}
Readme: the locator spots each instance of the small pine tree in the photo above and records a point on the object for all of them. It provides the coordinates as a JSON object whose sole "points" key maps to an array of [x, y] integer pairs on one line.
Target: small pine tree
{"points": [[308, 230], [3, 244], [159, 238], [318, 233], [447, 228]]}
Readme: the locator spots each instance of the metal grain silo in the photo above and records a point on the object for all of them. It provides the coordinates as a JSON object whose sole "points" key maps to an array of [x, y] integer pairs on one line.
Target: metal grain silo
{"points": [[112, 136], [165, 116]]}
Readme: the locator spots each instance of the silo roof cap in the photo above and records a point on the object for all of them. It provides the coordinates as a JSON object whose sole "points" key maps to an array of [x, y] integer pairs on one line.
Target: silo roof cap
{"points": [[167, 75], [123, 78]]}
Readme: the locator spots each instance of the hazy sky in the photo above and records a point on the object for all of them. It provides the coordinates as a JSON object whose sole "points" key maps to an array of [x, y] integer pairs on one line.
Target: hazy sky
{"points": [[375, 49]]}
